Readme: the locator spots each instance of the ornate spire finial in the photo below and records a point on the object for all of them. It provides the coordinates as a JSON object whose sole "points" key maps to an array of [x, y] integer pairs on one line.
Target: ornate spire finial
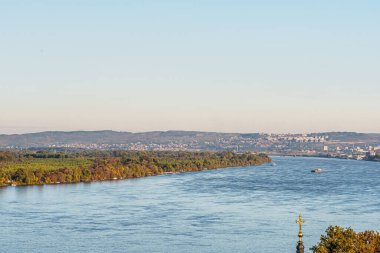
{"points": [[300, 247], [300, 221]]}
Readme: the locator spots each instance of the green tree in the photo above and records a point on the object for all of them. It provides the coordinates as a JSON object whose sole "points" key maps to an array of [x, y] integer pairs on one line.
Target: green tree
{"points": [[346, 240]]}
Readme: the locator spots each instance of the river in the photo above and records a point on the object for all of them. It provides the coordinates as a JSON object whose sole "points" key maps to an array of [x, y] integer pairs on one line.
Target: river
{"points": [[243, 209]]}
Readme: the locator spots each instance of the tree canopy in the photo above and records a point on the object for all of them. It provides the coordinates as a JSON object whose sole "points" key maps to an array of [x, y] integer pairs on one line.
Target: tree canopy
{"points": [[28, 168], [346, 240]]}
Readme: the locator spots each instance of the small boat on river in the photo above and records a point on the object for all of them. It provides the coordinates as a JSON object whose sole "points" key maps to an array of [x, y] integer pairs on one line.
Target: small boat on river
{"points": [[316, 170]]}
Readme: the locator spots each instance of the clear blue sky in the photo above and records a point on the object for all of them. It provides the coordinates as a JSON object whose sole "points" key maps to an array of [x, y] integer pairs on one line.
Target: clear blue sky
{"points": [[234, 66]]}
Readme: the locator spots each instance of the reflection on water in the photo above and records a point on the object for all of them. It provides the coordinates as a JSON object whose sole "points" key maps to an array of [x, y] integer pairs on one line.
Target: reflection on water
{"points": [[246, 209]]}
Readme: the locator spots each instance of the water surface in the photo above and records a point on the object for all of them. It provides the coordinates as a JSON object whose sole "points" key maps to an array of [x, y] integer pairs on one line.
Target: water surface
{"points": [[244, 209]]}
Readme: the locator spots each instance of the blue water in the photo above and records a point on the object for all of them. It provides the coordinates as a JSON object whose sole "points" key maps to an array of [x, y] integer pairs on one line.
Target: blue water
{"points": [[245, 209]]}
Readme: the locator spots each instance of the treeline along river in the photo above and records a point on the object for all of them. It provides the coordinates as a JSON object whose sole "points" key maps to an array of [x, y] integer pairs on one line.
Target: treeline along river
{"points": [[43, 167], [243, 209]]}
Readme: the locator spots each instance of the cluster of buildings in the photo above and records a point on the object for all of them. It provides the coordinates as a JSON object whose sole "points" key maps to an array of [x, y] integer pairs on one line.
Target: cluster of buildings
{"points": [[357, 152], [274, 144], [128, 146], [298, 138]]}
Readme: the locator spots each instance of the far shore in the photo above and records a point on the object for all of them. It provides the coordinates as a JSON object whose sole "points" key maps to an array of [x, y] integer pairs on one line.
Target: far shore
{"points": [[39, 168]]}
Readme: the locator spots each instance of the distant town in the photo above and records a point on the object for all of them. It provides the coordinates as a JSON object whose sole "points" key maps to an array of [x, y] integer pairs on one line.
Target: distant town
{"points": [[345, 145]]}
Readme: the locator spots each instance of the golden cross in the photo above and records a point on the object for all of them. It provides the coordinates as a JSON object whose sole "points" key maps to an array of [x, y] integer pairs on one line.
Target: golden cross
{"points": [[300, 221]]}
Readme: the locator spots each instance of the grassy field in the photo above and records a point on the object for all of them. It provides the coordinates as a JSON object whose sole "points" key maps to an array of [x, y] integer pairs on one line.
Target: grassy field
{"points": [[46, 164]]}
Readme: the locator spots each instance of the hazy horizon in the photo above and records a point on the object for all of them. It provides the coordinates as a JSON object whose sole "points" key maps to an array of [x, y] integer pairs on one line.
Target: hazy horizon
{"points": [[219, 66], [175, 130]]}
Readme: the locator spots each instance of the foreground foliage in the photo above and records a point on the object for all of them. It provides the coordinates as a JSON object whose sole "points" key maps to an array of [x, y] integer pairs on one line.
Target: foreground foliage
{"points": [[42, 167], [346, 240]]}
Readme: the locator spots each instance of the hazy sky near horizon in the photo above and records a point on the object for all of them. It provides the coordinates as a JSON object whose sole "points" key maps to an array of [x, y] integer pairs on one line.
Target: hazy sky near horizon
{"points": [[213, 65]]}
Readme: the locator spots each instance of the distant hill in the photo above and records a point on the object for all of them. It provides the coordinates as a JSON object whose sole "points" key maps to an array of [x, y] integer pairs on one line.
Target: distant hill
{"points": [[351, 136], [44, 139], [178, 140]]}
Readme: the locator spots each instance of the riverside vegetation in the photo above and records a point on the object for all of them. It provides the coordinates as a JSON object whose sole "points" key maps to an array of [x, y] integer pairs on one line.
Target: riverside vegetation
{"points": [[338, 239], [45, 167]]}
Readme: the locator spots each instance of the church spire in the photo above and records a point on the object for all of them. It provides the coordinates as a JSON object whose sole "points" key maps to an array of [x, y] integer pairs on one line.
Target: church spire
{"points": [[300, 247]]}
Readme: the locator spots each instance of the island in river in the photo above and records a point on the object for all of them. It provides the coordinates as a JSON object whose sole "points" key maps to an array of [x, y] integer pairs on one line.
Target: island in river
{"points": [[44, 167]]}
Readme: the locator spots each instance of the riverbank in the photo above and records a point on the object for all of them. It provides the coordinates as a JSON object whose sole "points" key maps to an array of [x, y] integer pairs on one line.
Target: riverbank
{"points": [[327, 156], [37, 168]]}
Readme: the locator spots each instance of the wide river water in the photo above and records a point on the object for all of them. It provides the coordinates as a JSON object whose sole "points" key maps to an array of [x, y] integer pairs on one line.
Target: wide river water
{"points": [[244, 209]]}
